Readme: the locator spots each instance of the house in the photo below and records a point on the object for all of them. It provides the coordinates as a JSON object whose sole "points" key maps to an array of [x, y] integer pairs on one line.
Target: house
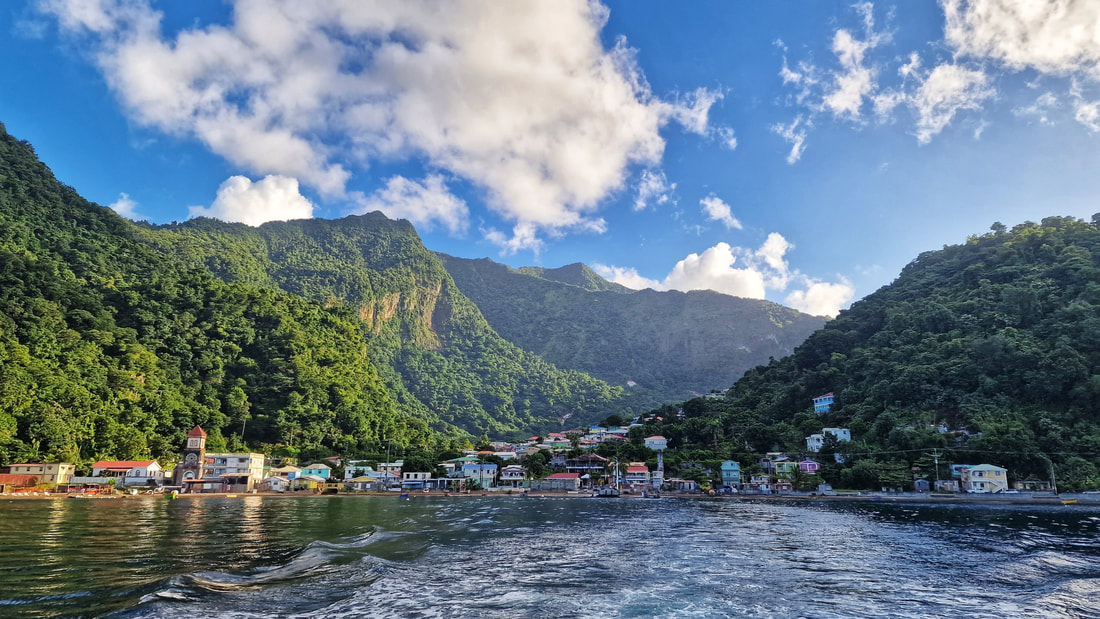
{"points": [[946, 485], [240, 471], [731, 474], [920, 485], [957, 469], [815, 442], [1033, 485], [512, 476], [770, 459], [357, 468], [785, 469], [823, 403], [391, 467], [681, 485], [275, 484], [484, 474], [808, 466], [285, 472], [637, 474], [130, 472], [698, 466], [323, 471], [51, 473], [761, 484], [558, 482], [415, 480], [365, 483], [984, 478], [656, 443], [588, 464]]}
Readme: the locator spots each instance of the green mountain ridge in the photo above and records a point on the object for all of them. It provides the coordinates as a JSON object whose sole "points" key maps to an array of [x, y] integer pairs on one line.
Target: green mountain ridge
{"points": [[662, 346], [996, 341], [439, 357]]}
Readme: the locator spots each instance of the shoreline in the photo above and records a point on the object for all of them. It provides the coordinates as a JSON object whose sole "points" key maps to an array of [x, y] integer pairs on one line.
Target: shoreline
{"points": [[751, 498]]}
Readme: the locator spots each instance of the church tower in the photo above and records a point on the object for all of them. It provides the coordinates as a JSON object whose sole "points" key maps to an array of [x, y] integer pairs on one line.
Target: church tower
{"points": [[190, 465]]}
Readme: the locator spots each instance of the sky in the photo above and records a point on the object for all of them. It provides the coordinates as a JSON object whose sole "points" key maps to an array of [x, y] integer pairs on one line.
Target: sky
{"points": [[794, 151]]}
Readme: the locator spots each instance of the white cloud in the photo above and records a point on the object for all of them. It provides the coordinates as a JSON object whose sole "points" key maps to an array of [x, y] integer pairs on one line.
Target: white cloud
{"points": [[717, 210], [125, 206], [1040, 109], [821, 298], [522, 100], [794, 136], [423, 204], [714, 270], [948, 89], [855, 82], [1088, 114], [653, 188], [1057, 38], [727, 137], [627, 276], [744, 273], [274, 198]]}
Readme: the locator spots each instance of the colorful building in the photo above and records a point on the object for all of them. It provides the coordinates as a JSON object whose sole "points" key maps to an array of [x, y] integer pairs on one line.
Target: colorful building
{"points": [[731, 474], [823, 403], [47, 473], [984, 478]]}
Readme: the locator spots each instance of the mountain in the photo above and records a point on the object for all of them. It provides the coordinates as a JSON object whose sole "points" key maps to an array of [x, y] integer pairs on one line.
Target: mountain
{"points": [[576, 274], [661, 346], [441, 360], [988, 351], [110, 348]]}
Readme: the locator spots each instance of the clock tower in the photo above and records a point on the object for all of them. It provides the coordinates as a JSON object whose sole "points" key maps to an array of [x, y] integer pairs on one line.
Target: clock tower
{"points": [[190, 465]]}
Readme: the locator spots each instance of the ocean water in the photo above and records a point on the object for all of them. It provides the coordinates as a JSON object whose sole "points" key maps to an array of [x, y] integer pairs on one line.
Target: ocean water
{"points": [[553, 557]]}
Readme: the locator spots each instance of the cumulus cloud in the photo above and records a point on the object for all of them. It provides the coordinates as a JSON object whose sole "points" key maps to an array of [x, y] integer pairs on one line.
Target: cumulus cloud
{"points": [[855, 81], [424, 204], [717, 210], [1059, 38], [821, 298], [274, 198], [1040, 109], [742, 272], [522, 100], [125, 206], [653, 188]]}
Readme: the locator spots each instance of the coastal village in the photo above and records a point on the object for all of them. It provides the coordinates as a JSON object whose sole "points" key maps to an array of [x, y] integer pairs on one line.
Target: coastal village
{"points": [[572, 468]]}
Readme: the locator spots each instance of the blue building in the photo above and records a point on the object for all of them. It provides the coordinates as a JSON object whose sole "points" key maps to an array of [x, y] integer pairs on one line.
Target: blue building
{"points": [[731, 474], [823, 403]]}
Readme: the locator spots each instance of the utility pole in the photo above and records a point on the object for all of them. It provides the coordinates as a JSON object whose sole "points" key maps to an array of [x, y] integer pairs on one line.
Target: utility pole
{"points": [[936, 459], [1053, 482]]}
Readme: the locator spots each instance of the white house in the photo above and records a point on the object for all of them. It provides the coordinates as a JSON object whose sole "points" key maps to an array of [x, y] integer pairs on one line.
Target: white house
{"points": [[130, 472], [815, 442], [512, 476], [656, 443]]}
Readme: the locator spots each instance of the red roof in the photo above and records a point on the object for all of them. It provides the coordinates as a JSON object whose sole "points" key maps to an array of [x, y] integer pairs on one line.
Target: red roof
{"points": [[26, 464], [653, 437], [127, 464], [636, 469], [565, 476], [197, 431]]}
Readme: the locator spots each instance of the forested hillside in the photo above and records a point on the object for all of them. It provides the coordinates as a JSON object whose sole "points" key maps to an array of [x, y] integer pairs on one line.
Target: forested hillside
{"points": [[109, 348], [439, 357], [996, 341], [661, 346]]}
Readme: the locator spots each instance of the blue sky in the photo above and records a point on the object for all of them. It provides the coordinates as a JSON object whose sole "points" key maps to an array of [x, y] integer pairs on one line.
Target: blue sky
{"points": [[800, 152]]}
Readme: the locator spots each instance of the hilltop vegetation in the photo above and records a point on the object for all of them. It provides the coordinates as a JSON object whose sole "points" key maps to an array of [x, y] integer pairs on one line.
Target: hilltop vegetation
{"points": [[997, 338], [324, 336], [662, 346], [111, 349]]}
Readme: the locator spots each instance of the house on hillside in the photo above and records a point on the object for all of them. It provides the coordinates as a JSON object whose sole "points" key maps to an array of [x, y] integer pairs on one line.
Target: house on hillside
{"points": [[815, 442], [823, 403], [809, 467]]}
